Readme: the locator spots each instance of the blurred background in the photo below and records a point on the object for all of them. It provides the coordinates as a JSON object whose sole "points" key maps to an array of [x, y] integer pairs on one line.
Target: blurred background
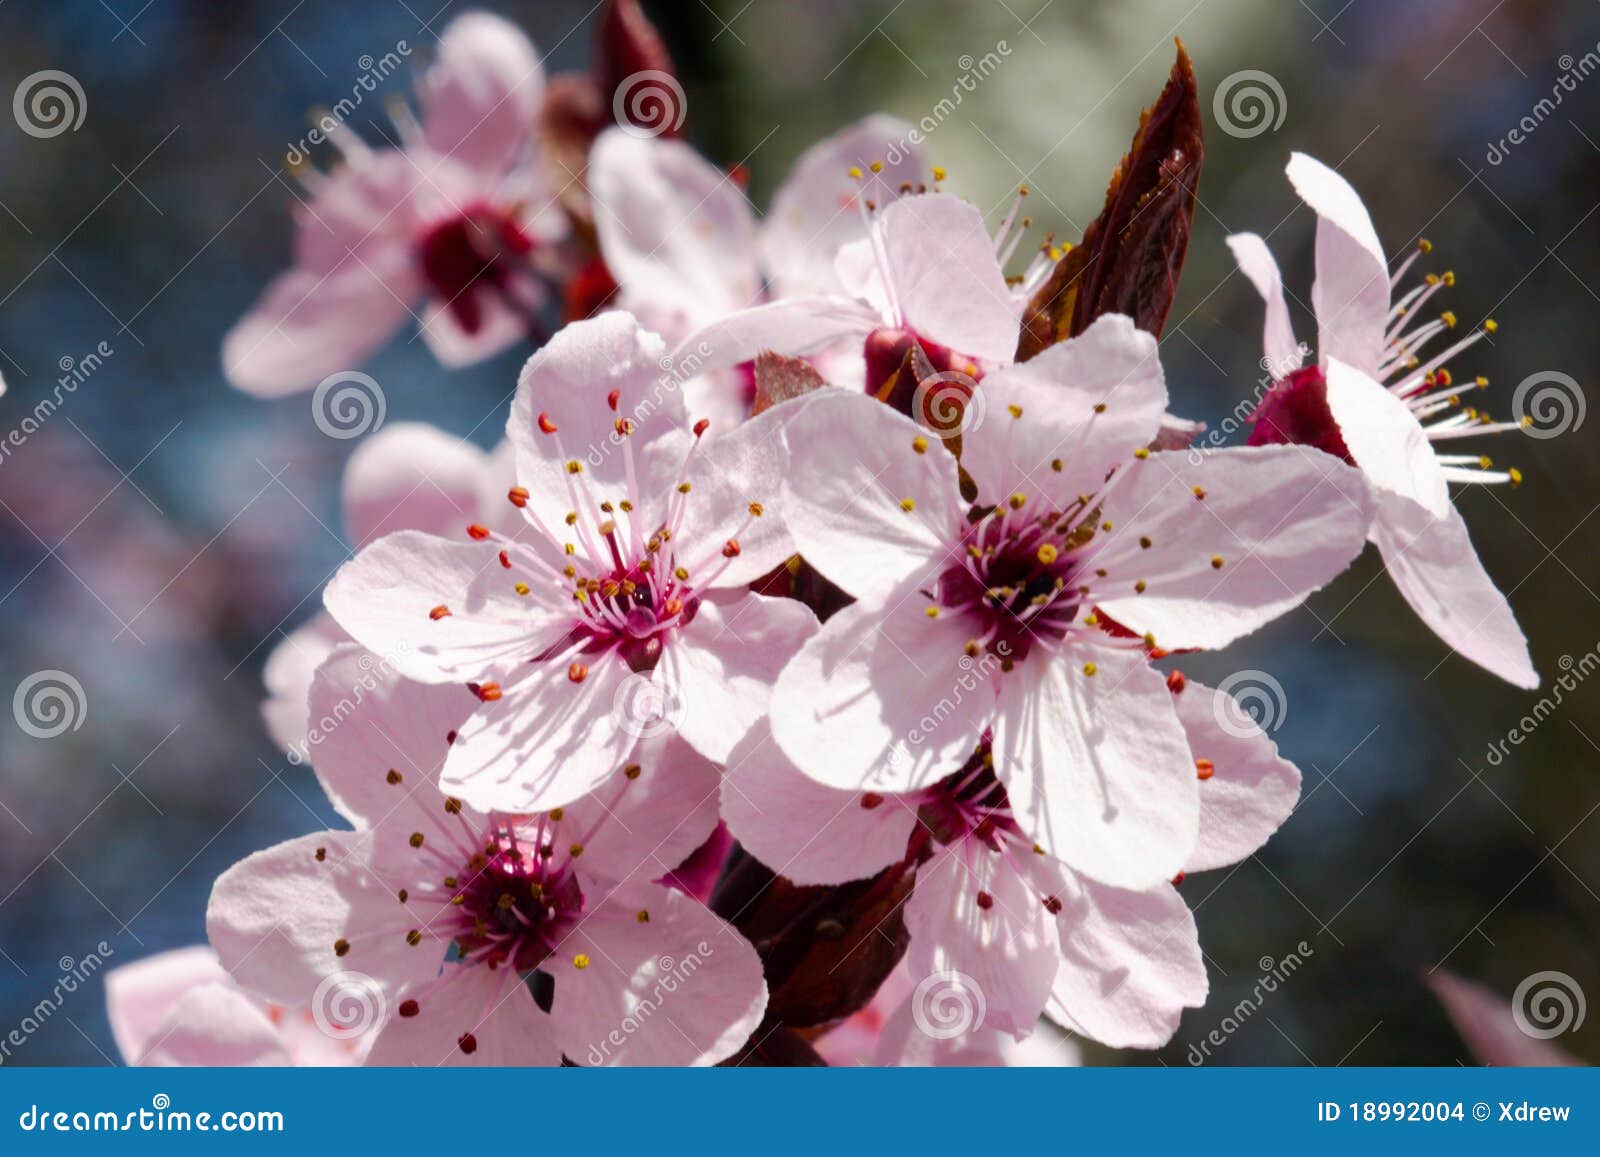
{"points": [[160, 531]]}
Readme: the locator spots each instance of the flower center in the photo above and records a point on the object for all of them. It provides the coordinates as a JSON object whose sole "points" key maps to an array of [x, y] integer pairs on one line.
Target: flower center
{"points": [[471, 254], [514, 901]]}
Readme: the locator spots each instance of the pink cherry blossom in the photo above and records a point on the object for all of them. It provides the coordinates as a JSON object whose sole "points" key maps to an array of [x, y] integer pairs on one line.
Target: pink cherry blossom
{"points": [[1489, 1028], [182, 1008], [444, 910], [1378, 400], [619, 606], [686, 249], [452, 222], [1022, 932], [407, 476], [1028, 612]]}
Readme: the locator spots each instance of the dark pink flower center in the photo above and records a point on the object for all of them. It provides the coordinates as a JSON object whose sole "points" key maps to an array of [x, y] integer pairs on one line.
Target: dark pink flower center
{"points": [[472, 254], [1018, 583], [1296, 411], [514, 902]]}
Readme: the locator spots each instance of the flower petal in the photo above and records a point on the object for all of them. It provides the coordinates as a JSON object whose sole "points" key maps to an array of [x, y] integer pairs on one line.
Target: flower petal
{"points": [[215, 1025], [287, 676], [1278, 344], [884, 698], [480, 98], [973, 913], [796, 326], [1250, 790], [1131, 964], [1433, 562], [547, 740], [1484, 1020], [946, 280], [717, 673], [411, 476], [1086, 405], [1237, 537], [675, 231], [852, 467], [1097, 767], [140, 995], [806, 832], [506, 1027], [1385, 438], [734, 474], [276, 916], [814, 213], [1351, 293], [663, 982]]}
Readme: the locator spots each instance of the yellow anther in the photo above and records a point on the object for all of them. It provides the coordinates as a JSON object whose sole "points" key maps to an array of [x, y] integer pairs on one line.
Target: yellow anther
{"points": [[757, 510], [521, 589], [681, 574], [1490, 325], [1138, 587], [580, 961], [1425, 246], [1016, 410], [931, 612], [1090, 669], [1142, 453], [1449, 319], [1017, 501], [574, 467], [1048, 553], [938, 173], [876, 166], [854, 172], [1216, 562], [683, 488], [919, 444], [908, 504], [1516, 476]]}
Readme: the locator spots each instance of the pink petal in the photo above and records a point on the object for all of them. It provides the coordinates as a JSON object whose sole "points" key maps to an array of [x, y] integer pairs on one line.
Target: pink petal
{"points": [[1385, 438], [387, 595], [412, 476], [946, 279], [501, 325], [735, 473], [1351, 293], [378, 741], [1131, 964], [649, 823], [883, 698], [1484, 1020], [495, 1007], [804, 831], [904, 1044], [675, 986], [287, 677], [1274, 525], [1251, 790], [308, 325], [275, 917], [798, 326], [569, 383], [1097, 767], [1006, 952], [814, 213], [140, 995], [1061, 447], [1434, 564], [1278, 343], [481, 96], [717, 673], [675, 231], [215, 1025], [852, 463], [547, 741]]}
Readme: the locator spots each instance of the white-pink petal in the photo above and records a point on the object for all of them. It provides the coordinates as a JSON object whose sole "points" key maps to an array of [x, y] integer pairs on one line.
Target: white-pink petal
{"points": [[411, 476], [1351, 292], [1385, 438], [1278, 344]]}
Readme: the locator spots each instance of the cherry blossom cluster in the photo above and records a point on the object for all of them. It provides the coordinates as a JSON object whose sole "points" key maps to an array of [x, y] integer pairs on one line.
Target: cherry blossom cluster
{"points": [[795, 682]]}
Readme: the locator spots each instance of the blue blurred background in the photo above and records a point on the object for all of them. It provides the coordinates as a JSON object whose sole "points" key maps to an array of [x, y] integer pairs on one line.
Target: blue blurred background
{"points": [[160, 531]]}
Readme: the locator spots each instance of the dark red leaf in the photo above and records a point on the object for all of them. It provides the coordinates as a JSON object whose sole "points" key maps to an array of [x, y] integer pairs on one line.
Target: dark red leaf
{"points": [[780, 378], [1132, 254]]}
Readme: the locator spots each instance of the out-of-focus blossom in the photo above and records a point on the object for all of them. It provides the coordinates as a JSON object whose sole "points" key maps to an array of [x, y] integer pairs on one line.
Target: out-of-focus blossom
{"points": [[453, 222], [182, 1008], [1487, 1025]]}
